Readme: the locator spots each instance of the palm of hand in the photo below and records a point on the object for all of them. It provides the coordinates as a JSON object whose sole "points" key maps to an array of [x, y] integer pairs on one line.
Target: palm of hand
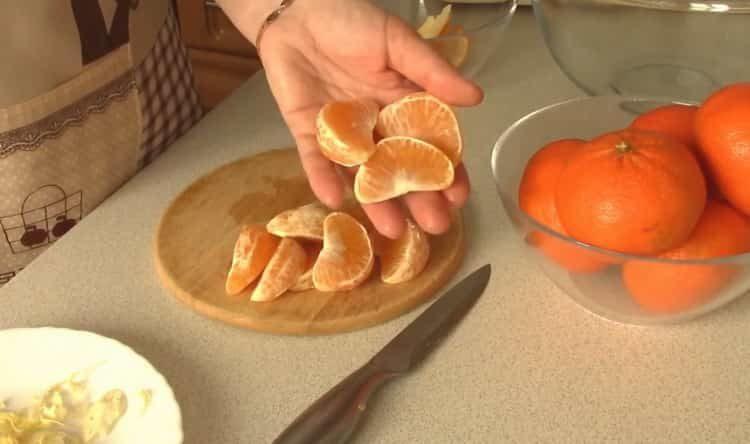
{"points": [[351, 49]]}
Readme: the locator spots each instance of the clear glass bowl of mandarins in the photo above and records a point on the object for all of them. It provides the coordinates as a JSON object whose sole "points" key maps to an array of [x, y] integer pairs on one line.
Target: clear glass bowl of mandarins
{"points": [[637, 208], [465, 32]]}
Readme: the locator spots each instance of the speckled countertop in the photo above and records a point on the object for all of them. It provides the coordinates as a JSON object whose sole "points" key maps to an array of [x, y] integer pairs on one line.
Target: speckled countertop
{"points": [[527, 365]]}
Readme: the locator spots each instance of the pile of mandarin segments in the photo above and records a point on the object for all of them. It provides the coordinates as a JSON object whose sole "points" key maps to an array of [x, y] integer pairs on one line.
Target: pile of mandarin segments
{"points": [[311, 247]]}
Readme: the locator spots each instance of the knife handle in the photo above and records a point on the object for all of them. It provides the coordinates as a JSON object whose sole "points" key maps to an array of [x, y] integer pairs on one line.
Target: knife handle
{"points": [[333, 418]]}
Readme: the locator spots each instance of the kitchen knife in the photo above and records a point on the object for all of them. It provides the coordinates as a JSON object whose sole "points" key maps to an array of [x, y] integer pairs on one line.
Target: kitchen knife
{"points": [[333, 418]]}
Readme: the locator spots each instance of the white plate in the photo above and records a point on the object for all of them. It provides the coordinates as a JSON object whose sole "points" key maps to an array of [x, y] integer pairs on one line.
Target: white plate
{"points": [[34, 359]]}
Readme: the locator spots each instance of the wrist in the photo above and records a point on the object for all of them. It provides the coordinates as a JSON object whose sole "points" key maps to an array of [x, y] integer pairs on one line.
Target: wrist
{"points": [[249, 15]]}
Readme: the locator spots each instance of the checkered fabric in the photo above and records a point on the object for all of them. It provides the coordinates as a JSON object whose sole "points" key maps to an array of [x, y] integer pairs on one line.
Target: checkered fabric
{"points": [[169, 102]]}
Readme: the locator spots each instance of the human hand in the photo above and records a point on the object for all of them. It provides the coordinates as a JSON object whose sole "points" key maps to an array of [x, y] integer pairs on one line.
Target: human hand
{"points": [[328, 50]]}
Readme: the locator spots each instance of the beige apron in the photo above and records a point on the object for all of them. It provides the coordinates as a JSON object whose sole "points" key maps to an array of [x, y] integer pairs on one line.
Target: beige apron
{"points": [[62, 152]]}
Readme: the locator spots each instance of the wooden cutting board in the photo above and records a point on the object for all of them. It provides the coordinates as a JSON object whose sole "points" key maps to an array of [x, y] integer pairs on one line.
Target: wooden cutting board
{"points": [[195, 239]]}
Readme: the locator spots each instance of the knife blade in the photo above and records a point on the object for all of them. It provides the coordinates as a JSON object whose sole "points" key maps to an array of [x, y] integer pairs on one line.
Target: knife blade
{"points": [[334, 417]]}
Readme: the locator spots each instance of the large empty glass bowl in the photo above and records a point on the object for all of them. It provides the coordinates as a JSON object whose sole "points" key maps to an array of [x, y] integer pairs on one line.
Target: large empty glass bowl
{"points": [[679, 49]]}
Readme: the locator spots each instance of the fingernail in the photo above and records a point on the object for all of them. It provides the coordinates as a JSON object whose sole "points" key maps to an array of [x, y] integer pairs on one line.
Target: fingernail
{"points": [[391, 230], [436, 225]]}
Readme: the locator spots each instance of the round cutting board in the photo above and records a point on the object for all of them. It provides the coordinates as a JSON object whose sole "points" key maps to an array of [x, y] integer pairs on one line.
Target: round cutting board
{"points": [[195, 239]]}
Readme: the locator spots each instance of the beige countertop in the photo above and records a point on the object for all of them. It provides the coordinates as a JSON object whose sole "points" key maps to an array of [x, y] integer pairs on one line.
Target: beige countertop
{"points": [[527, 365]]}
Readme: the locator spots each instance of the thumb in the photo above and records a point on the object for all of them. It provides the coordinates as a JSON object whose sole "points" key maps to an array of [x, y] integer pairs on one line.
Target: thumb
{"points": [[412, 57]]}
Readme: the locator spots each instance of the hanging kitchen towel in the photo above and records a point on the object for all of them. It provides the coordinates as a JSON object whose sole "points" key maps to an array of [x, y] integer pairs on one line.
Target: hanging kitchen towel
{"points": [[73, 134]]}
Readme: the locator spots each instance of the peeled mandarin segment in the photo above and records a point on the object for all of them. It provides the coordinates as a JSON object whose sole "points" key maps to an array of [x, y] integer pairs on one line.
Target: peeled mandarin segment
{"points": [[354, 209], [399, 166], [305, 280], [402, 260], [453, 48], [435, 24], [451, 29], [283, 270], [426, 118], [252, 251], [346, 259], [304, 222], [345, 131]]}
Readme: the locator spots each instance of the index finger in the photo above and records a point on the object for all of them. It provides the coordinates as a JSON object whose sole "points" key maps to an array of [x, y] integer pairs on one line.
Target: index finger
{"points": [[411, 56]]}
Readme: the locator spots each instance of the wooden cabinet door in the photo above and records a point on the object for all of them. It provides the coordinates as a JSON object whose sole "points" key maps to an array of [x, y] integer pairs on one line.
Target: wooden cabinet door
{"points": [[222, 57]]}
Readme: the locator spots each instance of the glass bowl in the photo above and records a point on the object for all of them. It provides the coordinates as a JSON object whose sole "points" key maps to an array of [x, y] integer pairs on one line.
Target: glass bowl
{"points": [[678, 49], [483, 23], [666, 291]]}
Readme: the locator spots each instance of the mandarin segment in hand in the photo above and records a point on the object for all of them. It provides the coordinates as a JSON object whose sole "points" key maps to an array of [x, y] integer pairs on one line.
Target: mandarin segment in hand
{"points": [[424, 117], [402, 165], [345, 131], [346, 259], [252, 251], [282, 272], [304, 222], [403, 259]]}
